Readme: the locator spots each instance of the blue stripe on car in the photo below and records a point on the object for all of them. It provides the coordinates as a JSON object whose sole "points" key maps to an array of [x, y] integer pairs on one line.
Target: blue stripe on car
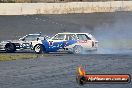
{"points": [[57, 45]]}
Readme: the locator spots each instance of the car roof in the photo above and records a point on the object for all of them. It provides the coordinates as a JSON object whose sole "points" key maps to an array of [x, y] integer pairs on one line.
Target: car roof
{"points": [[72, 33], [34, 34]]}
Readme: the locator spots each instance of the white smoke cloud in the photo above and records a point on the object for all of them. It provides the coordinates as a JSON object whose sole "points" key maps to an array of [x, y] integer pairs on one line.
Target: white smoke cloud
{"points": [[113, 38]]}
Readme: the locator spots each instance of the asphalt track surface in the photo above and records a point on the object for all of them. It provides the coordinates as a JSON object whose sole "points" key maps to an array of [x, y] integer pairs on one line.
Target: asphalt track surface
{"points": [[58, 70], [112, 30]]}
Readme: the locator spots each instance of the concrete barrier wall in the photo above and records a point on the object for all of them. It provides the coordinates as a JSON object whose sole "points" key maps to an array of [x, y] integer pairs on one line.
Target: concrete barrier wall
{"points": [[63, 8]]}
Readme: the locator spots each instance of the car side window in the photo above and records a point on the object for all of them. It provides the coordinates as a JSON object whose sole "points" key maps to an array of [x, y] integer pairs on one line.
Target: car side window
{"points": [[83, 37], [71, 37], [59, 37], [31, 37]]}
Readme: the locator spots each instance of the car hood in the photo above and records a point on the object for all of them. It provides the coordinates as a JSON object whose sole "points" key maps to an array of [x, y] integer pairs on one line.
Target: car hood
{"points": [[7, 41]]}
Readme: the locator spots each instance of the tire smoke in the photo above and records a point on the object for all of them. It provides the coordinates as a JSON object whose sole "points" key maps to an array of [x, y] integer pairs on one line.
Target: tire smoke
{"points": [[114, 38]]}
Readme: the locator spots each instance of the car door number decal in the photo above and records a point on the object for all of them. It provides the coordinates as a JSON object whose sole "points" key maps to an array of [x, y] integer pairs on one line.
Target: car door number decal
{"points": [[51, 43]]}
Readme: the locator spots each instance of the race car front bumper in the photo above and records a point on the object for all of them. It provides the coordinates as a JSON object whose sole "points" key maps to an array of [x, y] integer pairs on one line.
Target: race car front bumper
{"points": [[2, 46]]}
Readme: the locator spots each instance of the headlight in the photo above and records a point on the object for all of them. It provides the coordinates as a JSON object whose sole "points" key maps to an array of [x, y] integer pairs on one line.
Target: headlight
{"points": [[3, 42]]}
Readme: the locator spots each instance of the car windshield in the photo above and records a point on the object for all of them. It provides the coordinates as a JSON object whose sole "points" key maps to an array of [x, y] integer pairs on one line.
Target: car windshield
{"points": [[59, 37], [31, 37]]}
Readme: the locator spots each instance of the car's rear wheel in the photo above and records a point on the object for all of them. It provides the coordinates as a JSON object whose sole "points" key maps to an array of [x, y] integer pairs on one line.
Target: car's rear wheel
{"points": [[10, 48], [39, 49], [77, 49]]}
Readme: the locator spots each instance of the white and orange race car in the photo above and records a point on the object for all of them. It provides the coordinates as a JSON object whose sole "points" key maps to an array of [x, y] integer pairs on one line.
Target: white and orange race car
{"points": [[70, 42]]}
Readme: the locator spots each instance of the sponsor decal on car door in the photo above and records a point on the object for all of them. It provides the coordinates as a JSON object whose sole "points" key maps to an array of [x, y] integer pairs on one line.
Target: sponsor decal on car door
{"points": [[56, 43]]}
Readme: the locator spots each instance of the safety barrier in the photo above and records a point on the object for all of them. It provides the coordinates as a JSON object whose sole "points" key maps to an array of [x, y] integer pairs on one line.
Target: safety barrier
{"points": [[63, 8]]}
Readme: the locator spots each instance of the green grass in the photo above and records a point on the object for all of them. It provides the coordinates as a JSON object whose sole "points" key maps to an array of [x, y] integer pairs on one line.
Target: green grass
{"points": [[17, 56], [8, 57]]}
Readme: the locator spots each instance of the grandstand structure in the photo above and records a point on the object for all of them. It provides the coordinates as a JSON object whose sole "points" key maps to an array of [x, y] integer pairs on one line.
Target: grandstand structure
{"points": [[53, 1]]}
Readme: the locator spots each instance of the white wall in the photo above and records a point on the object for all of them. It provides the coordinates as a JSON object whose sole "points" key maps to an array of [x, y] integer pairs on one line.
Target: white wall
{"points": [[63, 8]]}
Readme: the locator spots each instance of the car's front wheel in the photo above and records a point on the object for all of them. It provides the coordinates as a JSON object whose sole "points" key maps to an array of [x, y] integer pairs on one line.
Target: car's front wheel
{"points": [[39, 49], [10, 48], [77, 49]]}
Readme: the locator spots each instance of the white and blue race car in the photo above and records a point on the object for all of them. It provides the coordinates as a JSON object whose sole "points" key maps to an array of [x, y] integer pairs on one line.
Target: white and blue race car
{"points": [[70, 42]]}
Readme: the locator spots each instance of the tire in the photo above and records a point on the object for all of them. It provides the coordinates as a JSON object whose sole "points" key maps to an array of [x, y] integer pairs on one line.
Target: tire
{"points": [[80, 80], [10, 48], [70, 52], [77, 49], [39, 49]]}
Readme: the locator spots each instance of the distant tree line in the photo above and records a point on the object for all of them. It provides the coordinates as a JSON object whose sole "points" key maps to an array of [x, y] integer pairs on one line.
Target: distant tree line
{"points": [[52, 1]]}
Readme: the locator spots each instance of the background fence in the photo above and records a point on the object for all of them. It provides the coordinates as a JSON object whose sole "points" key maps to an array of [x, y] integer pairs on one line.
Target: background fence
{"points": [[63, 8], [54, 1]]}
